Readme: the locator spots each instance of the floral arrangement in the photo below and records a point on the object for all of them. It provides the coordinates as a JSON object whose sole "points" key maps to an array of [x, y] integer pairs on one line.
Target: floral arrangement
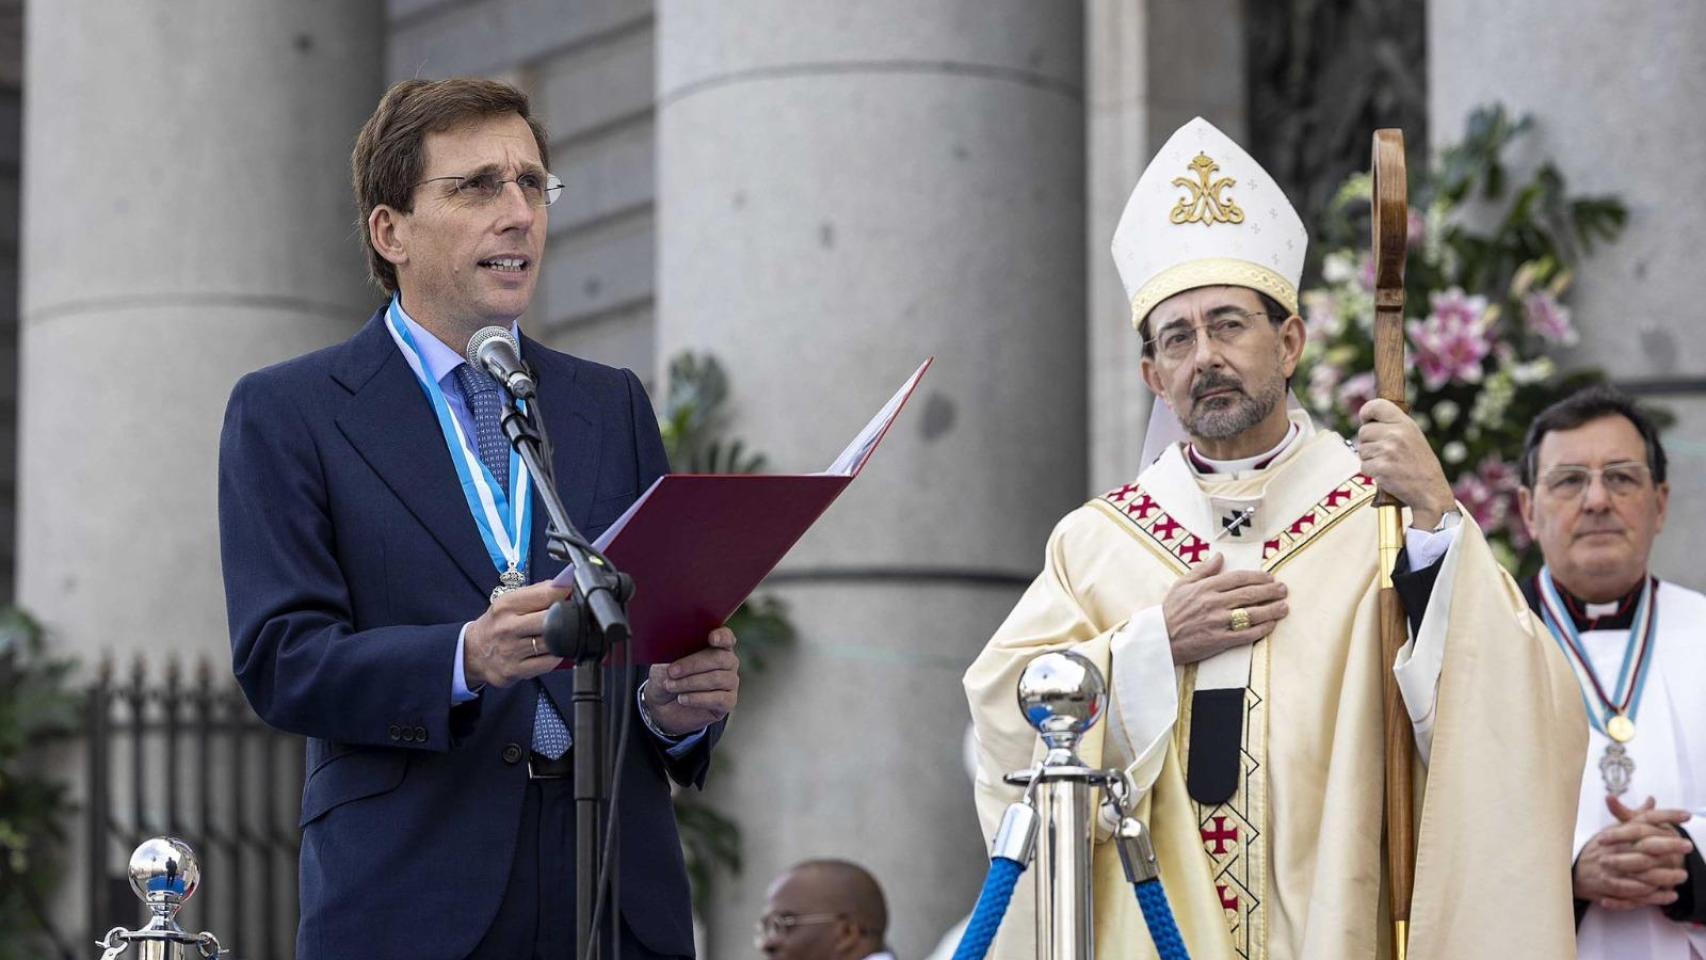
{"points": [[1487, 281]]}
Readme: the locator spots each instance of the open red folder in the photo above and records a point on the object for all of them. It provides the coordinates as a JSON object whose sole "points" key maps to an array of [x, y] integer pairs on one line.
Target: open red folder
{"points": [[697, 545]]}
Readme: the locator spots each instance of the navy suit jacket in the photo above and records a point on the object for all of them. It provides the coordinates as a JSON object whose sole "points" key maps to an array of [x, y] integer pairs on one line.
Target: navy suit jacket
{"points": [[351, 564]]}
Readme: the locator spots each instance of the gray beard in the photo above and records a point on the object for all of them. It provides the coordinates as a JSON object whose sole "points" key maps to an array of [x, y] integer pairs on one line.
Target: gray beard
{"points": [[1229, 419]]}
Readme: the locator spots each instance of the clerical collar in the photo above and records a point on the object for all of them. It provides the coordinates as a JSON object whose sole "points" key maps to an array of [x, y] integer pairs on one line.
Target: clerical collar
{"points": [[1616, 614], [1202, 464]]}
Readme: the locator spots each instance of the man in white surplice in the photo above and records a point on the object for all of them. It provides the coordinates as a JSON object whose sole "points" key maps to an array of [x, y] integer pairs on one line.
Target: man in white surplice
{"points": [[1229, 593], [1594, 496]]}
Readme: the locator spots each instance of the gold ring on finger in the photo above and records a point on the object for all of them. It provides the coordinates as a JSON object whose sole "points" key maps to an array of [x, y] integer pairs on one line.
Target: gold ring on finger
{"points": [[535, 642], [1240, 619]]}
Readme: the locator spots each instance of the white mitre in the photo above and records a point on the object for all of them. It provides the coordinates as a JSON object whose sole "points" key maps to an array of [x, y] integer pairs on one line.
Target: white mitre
{"points": [[1205, 214]]}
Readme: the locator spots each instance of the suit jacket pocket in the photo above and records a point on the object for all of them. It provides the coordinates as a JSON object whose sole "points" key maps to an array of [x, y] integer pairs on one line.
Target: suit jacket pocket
{"points": [[351, 776]]}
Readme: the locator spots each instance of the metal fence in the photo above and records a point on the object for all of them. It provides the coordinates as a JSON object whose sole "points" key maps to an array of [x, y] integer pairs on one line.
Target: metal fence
{"points": [[187, 757]]}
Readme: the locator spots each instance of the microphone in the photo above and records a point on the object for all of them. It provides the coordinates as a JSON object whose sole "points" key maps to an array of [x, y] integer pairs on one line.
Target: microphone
{"points": [[493, 350]]}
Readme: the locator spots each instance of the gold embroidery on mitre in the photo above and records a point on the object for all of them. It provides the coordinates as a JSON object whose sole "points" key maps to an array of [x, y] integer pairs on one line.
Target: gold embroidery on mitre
{"points": [[1211, 271], [1204, 203]]}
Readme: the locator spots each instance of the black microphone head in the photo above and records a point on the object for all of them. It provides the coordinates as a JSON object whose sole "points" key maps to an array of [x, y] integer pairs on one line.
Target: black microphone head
{"points": [[483, 336]]}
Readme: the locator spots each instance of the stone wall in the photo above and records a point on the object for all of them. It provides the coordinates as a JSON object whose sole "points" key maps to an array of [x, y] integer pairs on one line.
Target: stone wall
{"points": [[588, 68]]}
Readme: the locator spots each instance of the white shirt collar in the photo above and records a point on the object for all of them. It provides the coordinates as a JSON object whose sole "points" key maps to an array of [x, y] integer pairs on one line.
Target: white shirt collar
{"points": [[439, 358], [1241, 465]]}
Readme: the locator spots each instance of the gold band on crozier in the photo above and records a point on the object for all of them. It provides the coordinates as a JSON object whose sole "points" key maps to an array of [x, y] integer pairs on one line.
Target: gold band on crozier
{"points": [[1214, 271], [1240, 619]]}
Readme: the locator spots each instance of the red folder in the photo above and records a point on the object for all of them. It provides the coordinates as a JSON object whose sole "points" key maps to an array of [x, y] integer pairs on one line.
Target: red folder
{"points": [[697, 545]]}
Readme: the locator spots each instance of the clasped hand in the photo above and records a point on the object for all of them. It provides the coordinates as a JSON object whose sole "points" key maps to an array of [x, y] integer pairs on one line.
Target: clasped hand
{"points": [[506, 644], [1636, 862]]}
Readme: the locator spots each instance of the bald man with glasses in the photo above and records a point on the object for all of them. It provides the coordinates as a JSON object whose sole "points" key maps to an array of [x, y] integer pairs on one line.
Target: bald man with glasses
{"points": [[824, 910]]}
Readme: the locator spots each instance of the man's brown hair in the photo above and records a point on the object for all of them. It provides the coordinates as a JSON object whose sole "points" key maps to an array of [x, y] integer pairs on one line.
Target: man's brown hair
{"points": [[390, 152]]}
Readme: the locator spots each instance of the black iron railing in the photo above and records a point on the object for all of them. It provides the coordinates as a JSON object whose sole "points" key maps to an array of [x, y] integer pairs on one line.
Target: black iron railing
{"points": [[187, 757]]}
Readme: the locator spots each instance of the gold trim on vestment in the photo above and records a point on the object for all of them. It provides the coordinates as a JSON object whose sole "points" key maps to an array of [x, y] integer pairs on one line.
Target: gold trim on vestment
{"points": [[1142, 518], [1234, 833], [1139, 534], [1209, 272]]}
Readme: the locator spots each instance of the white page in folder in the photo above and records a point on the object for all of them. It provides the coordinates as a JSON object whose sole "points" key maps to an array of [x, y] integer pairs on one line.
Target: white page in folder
{"points": [[852, 459], [848, 464]]}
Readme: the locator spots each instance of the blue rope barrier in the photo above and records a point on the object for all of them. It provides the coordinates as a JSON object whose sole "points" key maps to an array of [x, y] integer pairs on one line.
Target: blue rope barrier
{"points": [[1158, 916], [991, 907]]}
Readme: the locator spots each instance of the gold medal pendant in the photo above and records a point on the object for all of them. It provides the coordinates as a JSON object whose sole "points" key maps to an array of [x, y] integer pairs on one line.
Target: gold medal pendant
{"points": [[511, 579], [1620, 728]]}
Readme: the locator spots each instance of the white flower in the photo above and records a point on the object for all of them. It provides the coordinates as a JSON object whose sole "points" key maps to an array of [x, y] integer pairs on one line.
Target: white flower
{"points": [[1445, 412], [1493, 400], [1534, 371], [1339, 267], [1454, 452]]}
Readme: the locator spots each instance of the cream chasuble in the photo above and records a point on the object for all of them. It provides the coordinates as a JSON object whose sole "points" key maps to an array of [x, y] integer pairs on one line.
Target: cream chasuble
{"points": [[1290, 866], [1669, 751]]}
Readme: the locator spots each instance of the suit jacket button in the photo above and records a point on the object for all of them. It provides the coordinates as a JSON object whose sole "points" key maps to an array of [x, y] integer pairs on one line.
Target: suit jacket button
{"points": [[512, 754], [420, 734], [395, 731]]}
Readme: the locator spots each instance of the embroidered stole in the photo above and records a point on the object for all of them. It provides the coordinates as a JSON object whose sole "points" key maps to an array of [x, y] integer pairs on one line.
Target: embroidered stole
{"points": [[1176, 516]]}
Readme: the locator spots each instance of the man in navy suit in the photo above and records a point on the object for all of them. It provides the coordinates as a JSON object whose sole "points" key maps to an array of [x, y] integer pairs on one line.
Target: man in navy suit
{"points": [[378, 542]]}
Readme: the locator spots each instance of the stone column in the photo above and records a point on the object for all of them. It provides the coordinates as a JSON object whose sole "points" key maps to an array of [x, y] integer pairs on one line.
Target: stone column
{"points": [[843, 190], [187, 218], [1136, 54], [1615, 92]]}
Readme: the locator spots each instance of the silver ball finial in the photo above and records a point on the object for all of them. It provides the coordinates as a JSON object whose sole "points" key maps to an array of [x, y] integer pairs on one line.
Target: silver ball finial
{"points": [[1062, 695], [164, 872]]}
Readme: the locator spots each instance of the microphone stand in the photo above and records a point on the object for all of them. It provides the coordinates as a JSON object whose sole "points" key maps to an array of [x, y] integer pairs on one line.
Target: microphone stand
{"points": [[583, 627]]}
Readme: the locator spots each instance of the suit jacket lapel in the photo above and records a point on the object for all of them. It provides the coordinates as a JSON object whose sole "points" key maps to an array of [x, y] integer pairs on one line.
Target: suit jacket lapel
{"points": [[574, 440], [393, 428], [567, 405]]}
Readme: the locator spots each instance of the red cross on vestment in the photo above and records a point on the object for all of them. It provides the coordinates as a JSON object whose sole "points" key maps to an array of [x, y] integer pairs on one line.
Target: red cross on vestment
{"points": [[1142, 507], [1307, 520], [1125, 491], [1166, 527], [1192, 549], [1337, 497], [1220, 836], [1269, 548], [1228, 899]]}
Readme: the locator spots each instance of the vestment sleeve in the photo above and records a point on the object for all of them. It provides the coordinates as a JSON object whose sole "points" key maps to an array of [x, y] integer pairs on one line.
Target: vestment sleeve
{"points": [[1133, 655]]}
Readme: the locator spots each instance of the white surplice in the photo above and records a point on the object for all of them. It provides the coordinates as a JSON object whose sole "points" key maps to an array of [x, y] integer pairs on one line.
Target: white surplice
{"points": [[1669, 751]]}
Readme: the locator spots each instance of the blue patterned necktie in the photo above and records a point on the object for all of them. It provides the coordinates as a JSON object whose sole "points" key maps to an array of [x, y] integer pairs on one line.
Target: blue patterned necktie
{"points": [[485, 400]]}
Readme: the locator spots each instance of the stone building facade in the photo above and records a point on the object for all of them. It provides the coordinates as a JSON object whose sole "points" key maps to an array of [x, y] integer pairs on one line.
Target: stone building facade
{"points": [[820, 193]]}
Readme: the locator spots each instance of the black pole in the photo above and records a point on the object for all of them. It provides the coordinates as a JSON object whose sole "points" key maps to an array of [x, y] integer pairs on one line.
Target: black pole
{"points": [[584, 628]]}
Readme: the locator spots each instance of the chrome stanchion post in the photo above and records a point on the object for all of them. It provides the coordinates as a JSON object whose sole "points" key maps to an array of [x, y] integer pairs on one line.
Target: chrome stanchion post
{"points": [[1063, 695], [164, 872]]}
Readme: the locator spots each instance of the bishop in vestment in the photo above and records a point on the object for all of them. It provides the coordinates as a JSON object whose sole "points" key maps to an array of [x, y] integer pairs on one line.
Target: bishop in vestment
{"points": [[1229, 595]]}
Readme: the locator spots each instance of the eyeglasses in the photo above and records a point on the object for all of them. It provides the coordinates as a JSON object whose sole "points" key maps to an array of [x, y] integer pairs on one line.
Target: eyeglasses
{"points": [[1621, 480], [540, 189], [1179, 340], [778, 925]]}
